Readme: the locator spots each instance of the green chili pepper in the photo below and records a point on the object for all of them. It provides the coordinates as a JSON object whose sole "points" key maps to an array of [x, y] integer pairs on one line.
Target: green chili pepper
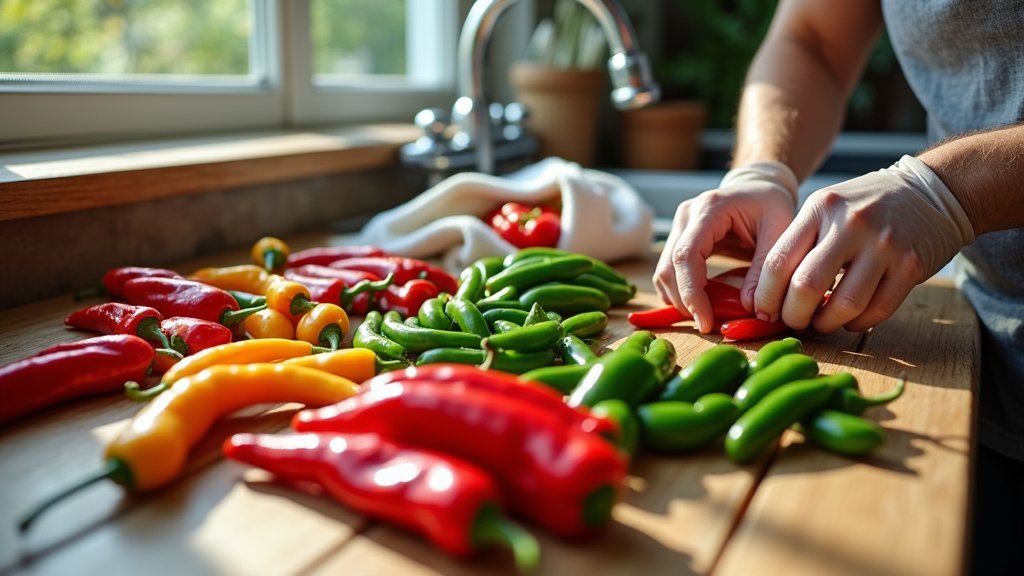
{"points": [[541, 272], [772, 351], [601, 268], [506, 293], [576, 351], [623, 416], [622, 374], [471, 284], [368, 335], [617, 292], [674, 426], [431, 314], [500, 326], [467, 316], [788, 368], [565, 298], [504, 360], [586, 324], [638, 341], [511, 314], [489, 266], [485, 305], [661, 353], [717, 369], [848, 399], [248, 300], [536, 315], [419, 339], [784, 406], [563, 378], [539, 336], [842, 432]]}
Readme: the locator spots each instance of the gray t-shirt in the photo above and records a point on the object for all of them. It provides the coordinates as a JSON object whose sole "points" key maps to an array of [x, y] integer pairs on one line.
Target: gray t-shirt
{"points": [[965, 61]]}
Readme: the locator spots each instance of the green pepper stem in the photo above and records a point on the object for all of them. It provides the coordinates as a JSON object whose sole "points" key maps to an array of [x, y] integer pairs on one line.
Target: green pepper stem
{"points": [[389, 365], [274, 259], [371, 286], [232, 317], [491, 355], [149, 329], [332, 336], [490, 527], [857, 404], [115, 469], [132, 390]]}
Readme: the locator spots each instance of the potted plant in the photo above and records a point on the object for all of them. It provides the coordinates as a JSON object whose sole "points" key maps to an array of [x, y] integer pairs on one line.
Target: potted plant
{"points": [[560, 81]]}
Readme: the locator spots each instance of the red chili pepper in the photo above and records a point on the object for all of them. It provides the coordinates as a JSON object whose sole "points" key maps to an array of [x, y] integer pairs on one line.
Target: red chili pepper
{"points": [[190, 335], [119, 318], [407, 298], [725, 305], [404, 270], [743, 329], [324, 255], [183, 297], [452, 375], [526, 226], [350, 277], [72, 370], [113, 280], [337, 290], [565, 480], [453, 503]]}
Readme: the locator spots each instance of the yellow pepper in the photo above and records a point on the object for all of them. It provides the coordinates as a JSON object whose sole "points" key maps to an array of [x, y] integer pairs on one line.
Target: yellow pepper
{"points": [[289, 298], [356, 364], [324, 325], [153, 450], [268, 323], [270, 253], [243, 278], [241, 352]]}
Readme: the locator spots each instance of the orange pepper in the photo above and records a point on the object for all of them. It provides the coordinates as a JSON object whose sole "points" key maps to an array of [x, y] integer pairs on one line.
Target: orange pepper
{"points": [[268, 323], [270, 253], [289, 298], [153, 449], [324, 325], [243, 278]]}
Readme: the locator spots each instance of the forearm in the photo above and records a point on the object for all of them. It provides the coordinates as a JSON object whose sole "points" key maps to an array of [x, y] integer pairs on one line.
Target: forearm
{"points": [[985, 171]]}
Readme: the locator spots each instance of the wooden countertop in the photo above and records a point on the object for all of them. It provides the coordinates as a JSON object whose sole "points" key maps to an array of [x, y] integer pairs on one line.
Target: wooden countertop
{"points": [[798, 510]]}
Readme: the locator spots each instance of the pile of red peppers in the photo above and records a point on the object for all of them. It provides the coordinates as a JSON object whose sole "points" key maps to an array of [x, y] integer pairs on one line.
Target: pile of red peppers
{"points": [[527, 226]]}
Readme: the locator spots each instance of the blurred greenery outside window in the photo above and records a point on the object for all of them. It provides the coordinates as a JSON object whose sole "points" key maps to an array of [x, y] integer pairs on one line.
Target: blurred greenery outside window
{"points": [[379, 51]]}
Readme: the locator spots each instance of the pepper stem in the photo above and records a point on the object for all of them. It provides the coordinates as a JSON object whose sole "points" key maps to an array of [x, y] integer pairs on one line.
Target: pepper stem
{"points": [[389, 365], [115, 469], [149, 329], [274, 259], [331, 335], [132, 390], [491, 355], [490, 527], [232, 317]]}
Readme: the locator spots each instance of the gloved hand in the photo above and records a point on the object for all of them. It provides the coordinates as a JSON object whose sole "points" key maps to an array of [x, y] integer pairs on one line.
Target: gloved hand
{"points": [[742, 218], [886, 231]]}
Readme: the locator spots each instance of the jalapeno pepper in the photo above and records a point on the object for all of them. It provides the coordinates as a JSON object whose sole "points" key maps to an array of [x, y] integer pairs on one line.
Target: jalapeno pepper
{"points": [[717, 369], [489, 266], [788, 368], [467, 316], [324, 255], [617, 292], [511, 314], [120, 318], [563, 378], [672, 426], [586, 324], [772, 351], [539, 336], [432, 315], [622, 374], [419, 339], [183, 297], [506, 294], [661, 353], [72, 370], [270, 253], [576, 351], [471, 284], [842, 432], [600, 268], [153, 449], [565, 298], [848, 398], [511, 361], [191, 335], [637, 341], [765, 421], [502, 326], [625, 419], [536, 314], [369, 336], [536, 273], [453, 503], [569, 492]]}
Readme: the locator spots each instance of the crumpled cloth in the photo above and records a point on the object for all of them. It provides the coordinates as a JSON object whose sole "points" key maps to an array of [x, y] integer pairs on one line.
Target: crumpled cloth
{"points": [[602, 215]]}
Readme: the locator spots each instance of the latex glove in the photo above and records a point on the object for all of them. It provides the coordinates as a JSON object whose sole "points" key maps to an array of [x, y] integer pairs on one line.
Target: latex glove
{"points": [[886, 231], [742, 218]]}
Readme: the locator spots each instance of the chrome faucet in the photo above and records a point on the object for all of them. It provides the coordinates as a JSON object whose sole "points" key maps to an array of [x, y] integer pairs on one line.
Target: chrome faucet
{"points": [[474, 118]]}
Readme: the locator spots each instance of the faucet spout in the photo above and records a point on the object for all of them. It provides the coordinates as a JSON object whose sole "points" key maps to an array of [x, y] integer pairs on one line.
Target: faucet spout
{"points": [[633, 85]]}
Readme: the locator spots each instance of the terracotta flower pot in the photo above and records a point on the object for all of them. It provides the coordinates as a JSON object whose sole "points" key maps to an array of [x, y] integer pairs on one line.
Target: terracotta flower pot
{"points": [[564, 108], [665, 136]]}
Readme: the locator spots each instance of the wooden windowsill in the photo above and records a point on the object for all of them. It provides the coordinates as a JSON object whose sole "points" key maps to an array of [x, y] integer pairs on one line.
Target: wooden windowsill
{"points": [[41, 183]]}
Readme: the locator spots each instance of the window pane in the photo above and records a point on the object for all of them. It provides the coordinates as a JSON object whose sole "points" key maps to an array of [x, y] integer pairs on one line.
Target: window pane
{"points": [[359, 37], [126, 37]]}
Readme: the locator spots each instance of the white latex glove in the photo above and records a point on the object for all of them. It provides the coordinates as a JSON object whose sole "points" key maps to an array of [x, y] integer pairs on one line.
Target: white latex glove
{"points": [[742, 218], [886, 231]]}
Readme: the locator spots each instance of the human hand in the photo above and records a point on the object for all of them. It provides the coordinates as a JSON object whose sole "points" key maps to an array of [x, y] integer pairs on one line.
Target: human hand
{"points": [[742, 218], [886, 232]]}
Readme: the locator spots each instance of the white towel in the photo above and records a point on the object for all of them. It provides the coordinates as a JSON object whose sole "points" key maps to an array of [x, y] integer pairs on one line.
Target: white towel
{"points": [[602, 215]]}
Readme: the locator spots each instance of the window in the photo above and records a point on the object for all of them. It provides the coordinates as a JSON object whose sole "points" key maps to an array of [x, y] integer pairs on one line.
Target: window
{"points": [[73, 69]]}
